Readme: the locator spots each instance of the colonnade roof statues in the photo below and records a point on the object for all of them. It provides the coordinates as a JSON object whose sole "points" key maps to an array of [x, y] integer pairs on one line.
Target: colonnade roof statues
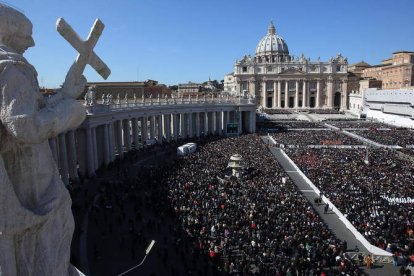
{"points": [[36, 223]]}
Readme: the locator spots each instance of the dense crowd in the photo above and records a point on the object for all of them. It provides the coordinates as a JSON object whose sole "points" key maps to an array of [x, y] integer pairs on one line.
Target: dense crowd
{"points": [[256, 225], [302, 138], [302, 124], [359, 124], [400, 137], [277, 111], [373, 191], [324, 111]]}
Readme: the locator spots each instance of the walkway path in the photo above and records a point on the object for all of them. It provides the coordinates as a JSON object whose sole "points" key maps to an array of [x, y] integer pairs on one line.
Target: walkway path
{"points": [[330, 218]]}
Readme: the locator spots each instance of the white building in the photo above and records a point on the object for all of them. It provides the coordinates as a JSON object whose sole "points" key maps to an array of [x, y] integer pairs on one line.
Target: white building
{"points": [[280, 80], [395, 107]]}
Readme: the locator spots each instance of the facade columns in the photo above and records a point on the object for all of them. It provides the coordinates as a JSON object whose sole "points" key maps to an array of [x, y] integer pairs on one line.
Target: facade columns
{"points": [[275, 94], [304, 95], [252, 87], [297, 94], [318, 94], [279, 94], [264, 94], [159, 129], [330, 92], [63, 159], [344, 95], [225, 122], [286, 94]]}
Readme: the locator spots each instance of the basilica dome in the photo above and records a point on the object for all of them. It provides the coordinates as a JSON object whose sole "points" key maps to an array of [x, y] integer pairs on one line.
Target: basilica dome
{"points": [[272, 43]]}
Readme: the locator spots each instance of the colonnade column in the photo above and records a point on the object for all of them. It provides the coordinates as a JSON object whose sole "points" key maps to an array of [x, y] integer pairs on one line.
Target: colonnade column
{"points": [[63, 159], [220, 123], [175, 126], [167, 127], [286, 94], [275, 94], [81, 151], [264, 93], [297, 94], [107, 157], [127, 134], [159, 124], [135, 134], [89, 153], [225, 122], [206, 123], [111, 141], [304, 95], [190, 125], [152, 127], [95, 149], [144, 130], [197, 124], [252, 122], [182, 125], [318, 93], [118, 130], [72, 158], [240, 119], [279, 94]]}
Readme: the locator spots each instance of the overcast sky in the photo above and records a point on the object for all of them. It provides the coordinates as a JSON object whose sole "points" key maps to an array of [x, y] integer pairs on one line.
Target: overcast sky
{"points": [[176, 41]]}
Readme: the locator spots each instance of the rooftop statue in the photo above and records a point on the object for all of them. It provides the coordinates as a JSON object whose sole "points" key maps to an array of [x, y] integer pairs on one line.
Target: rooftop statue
{"points": [[36, 222]]}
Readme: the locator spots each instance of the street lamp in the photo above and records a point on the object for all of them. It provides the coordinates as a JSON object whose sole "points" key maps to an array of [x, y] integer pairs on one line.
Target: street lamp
{"points": [[147, 251]]}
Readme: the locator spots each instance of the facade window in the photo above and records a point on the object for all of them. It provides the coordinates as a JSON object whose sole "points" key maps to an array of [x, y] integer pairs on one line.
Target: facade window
{"points": [[244, 69], [259, 69], [269, 69]]}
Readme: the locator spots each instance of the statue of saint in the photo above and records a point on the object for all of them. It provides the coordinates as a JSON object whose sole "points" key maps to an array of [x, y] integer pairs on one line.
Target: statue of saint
{"points": [[36, 221]]}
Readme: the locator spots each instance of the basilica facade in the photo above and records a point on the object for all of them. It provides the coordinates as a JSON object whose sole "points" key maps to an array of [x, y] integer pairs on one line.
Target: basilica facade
{"points": [[279, 80]]}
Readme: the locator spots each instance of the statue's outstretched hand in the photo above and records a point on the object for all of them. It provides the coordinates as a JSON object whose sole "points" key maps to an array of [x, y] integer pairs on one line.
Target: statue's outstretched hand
{"points": [[74, 88]]}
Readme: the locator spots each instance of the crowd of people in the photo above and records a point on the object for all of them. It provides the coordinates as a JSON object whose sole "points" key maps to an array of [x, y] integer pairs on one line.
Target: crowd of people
{"points": [[400, 137], [359, 124], [372, 189], [259, 224], [303, 138]]}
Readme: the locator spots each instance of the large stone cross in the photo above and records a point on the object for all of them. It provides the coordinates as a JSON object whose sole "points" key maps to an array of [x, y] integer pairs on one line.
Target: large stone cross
{"points": [[85, 48]]}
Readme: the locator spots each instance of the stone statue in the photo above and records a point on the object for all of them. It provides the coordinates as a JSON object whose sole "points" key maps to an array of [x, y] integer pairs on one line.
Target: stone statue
{"points": [[126, 98], [90, 96], [36, 222]]}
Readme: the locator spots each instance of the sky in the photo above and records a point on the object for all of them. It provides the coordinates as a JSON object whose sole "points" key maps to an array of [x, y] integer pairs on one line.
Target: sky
{"points": [[177, 41]]}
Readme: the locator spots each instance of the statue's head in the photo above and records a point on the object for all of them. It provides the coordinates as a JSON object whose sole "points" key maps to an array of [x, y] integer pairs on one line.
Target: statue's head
{"points": [[15, 29]]}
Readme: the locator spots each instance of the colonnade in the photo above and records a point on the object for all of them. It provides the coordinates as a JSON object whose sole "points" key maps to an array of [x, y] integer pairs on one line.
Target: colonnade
{"points": [[104, 137]]}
